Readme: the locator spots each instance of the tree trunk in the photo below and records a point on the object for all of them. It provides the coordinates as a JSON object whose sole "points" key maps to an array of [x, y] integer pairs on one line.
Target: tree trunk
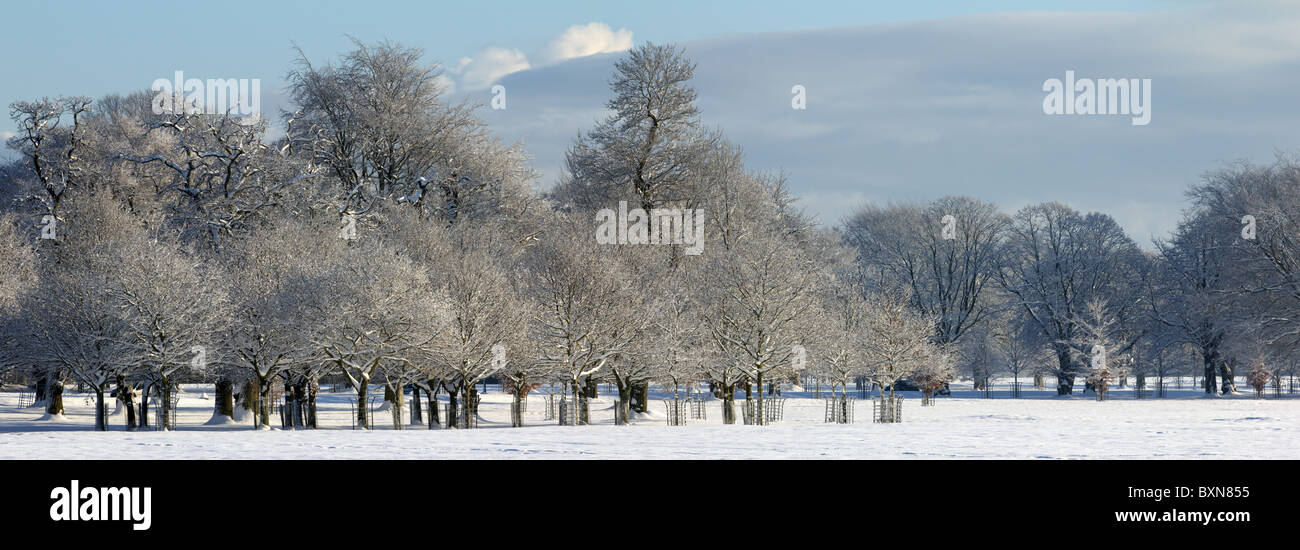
{"points": [[452, 408], [397, 408], [1064, 376], [225, 398], [517, 412], [1227, 371], [101, 419], [640, 397], [264, 401], [144, 405], [166, 421], [580, 397], [54, 395], [728, 404], [290, 402], [433, 404], [624, 403], [126, 394], [315, 389], [759, 418], [301, 391], [363, 419], [247, 399], [417, 413], [1210, 383], [468, 393]]}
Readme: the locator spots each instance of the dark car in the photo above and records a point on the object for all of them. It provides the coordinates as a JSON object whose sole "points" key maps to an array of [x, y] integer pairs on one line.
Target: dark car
{"points": [[903, 385], [908, 385]]}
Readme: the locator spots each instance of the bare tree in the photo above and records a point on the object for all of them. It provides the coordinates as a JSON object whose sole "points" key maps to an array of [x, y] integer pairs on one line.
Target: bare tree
{"points": [[1096, 343], [897, 340], [1021, 350], [379, 122], [75, 327], [485, 316], [646, 151], [1194, 292], [1057, 260], [761, 295], [1249, 218], [934, 374], [172, 308], [369, 304], [944, 253], [51, 152], [840, 355], [584, 319], [220, 177]]}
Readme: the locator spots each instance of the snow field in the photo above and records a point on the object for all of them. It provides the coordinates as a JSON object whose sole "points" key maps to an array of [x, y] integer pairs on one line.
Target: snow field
{"points": [[964, 426]]}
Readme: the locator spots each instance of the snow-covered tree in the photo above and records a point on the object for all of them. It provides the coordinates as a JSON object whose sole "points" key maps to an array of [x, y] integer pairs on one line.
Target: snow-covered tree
{"points": [[264, 335], [1192, 295], [18, 277], [943, 253], [1098, 343], [647, 151], [486, 316], [173, 309], [584, 318], [897, 340], [839, 355], [74, 326], [380, 123], [50, 143], [978, 357], [1244, 256], [761, 297], [1020, 350], [934, 374], [676, 336], [369, 305], [1056, 261], [216, 174]]}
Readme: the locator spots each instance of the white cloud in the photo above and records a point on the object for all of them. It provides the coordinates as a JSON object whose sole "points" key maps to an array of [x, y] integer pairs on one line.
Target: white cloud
{"points": [[585, 40], [488, 66], [492, 63], [6, 135]]}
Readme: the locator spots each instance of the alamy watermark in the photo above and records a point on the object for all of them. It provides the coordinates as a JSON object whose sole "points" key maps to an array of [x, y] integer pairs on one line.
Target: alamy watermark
{"points": [[684, 226], [76, 503], [214, 96], [1103, 96]]}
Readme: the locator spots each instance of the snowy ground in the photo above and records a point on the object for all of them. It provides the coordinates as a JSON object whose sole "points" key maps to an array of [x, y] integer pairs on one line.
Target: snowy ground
{"points": [[965, 425]]}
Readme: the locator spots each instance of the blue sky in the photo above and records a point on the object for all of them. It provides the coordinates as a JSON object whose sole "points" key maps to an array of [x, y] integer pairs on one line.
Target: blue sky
{"points": [[94, 47], [906, 100]]}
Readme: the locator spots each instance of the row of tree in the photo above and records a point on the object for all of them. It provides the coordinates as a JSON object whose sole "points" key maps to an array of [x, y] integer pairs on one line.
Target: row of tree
{"points": [[388, 238]]}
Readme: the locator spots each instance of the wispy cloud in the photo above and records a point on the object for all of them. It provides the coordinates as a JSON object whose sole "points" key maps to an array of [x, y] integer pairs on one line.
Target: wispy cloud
{"points": [[492, 63], [488, 66]]}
